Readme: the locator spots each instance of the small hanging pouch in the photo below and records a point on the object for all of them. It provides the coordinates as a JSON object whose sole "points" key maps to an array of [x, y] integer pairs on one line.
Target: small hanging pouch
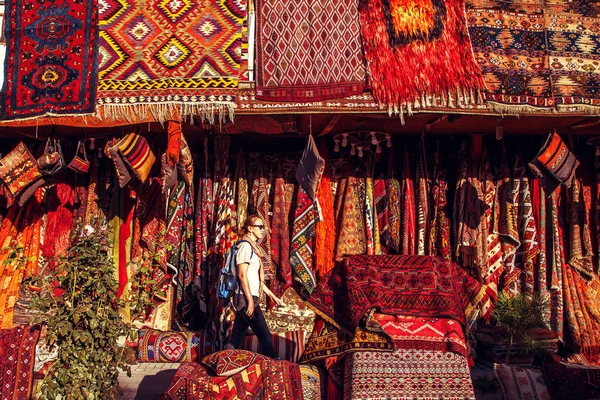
{"points": [[80, 163], [52, 161]]}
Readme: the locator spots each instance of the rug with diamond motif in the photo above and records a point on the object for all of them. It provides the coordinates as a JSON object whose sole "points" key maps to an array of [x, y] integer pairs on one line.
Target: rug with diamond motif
{"points": [[17, 356], [308, 50], [169, 58], [50, 67]]}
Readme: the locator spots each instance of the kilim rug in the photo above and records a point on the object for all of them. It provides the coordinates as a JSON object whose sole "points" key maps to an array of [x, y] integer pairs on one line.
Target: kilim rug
{"points": [[419, 53], [573, 53], [17, 356], [442, 334], [169, 58], [419, 286], [407, 374], [51, 65], [269, 379], [308, 50], [509, 44], [569, 381]]}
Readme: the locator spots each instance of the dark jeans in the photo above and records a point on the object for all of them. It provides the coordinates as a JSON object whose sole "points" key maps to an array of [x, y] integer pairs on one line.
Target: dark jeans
{"points": [[259, 327]]}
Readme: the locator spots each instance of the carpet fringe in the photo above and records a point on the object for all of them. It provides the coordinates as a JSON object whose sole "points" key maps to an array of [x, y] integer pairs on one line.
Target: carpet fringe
{"points": [[582, 108], [163, 112], [518, 109]]}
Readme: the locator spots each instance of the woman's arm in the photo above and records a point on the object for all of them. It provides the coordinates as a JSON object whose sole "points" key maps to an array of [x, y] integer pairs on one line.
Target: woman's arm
{"points": [[276, 299], [243, 279]]}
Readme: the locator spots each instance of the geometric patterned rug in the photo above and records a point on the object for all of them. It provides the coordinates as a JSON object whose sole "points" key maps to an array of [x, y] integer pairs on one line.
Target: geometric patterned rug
{"points": [[169, 58], [51, 50], [308, 50], [407, 374], [17, 356], [537, 55]]}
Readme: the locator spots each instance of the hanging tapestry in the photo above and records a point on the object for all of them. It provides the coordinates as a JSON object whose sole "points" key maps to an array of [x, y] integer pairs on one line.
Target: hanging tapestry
{"points": [[419, 53], [169, 59], [409, 223], [580, 249], [394, 192], [303, 240], [538, 196], [573, 51], [557, 263], [439, 235], [280, 236], [308, 50], [509, 44], [17, 346], [204, 215], [352, 233], [51, 65], [423, 184]]}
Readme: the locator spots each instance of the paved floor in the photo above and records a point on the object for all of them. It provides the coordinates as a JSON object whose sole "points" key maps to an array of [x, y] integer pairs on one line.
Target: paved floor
{"points": [[147, 382]]}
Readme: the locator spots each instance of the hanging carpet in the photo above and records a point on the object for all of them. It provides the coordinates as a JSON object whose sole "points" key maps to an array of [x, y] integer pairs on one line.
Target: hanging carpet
{"points": [[17, 347], [509, 47], [308, 50], [419, 53], [170, 58], [51, 65]]}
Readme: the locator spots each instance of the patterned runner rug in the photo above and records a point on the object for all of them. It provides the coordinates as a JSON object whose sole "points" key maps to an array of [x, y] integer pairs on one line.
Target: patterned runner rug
{"points": [[17, 356], [50, 66]]}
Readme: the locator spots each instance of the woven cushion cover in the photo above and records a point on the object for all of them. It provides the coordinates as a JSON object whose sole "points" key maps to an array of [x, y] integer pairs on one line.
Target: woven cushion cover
{"points": [[230, 362], [169, 346]]}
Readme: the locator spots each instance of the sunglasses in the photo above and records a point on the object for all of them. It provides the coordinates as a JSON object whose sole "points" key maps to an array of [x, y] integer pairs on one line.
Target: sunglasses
{"points": [[261, 227]]}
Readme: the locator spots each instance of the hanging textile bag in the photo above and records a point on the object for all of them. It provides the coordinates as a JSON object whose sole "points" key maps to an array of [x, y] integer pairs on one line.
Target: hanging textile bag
{"points": [[79, 164], [20, 174], [52, 161]]}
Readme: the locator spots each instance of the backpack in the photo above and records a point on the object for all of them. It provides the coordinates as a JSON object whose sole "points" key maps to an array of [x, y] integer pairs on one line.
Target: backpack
{"points": [[228, 281]]}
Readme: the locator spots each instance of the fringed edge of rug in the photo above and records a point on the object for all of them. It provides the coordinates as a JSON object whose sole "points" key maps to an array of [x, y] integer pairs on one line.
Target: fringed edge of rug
{"points": [[518, 109], [459, 98], [210, 112], [582, 108]]}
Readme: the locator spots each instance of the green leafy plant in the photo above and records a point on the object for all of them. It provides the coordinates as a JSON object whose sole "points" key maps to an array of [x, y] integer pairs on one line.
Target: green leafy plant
{"points": [[82, 315], [518, 316]]}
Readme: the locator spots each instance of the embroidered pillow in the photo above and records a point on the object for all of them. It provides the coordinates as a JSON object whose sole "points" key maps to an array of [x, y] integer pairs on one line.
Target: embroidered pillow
{"points": [[137, 154], [230, 362], [18, 170], [288, 345], [169, 346], [112, 151], [554, 164], [310, 169], [522, 383]]}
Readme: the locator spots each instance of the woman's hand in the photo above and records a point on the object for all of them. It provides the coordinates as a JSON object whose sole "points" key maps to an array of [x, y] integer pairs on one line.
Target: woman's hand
{"points": [[278, 301], [250, 309]]}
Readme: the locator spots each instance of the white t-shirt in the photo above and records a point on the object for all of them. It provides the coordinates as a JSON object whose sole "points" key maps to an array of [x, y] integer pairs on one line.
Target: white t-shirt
{"points": [[246, 254]]}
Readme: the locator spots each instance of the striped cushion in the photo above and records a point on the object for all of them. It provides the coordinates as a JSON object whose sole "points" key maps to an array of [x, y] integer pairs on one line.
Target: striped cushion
{"points": [[288, 346], [554, 164], [137, 154]]}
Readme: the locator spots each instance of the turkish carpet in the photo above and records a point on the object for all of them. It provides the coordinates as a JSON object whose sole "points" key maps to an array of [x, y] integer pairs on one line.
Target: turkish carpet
{"points": [[51, 65], [267, 379], [420, 286], [303, 240], [407, 374], [573, 53], [17, 356], [509, 44], [419, 52], [569, 381], [169, 59], [443, 334], [308, 50], [327, 340]]}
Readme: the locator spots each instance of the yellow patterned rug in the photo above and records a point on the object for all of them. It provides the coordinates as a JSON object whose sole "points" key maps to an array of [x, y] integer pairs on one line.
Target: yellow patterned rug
{"points": [[169, 58]]}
